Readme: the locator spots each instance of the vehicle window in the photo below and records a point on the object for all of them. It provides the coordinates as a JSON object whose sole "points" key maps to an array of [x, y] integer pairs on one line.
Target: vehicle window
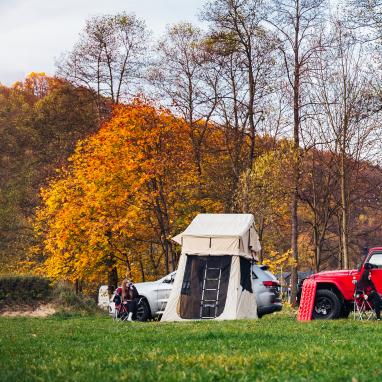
{"points": [[169, 279], [376, 259], [271, 275], [262, 275]]}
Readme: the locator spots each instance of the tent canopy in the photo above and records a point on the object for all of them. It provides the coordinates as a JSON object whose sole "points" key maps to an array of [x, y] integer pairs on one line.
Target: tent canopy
{"points": [[220, 234]]}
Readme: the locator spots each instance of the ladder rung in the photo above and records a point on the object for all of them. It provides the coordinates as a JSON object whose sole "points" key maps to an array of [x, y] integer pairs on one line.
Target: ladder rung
{"points": [[212, 279]]}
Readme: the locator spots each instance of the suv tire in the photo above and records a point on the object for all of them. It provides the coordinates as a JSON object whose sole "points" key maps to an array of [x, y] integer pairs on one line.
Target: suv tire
{"points": [[143, 311], [327, 305]]}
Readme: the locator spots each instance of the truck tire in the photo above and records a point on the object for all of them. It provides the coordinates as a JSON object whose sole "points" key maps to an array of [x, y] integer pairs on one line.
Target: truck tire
{"points": [[143, 311], [327, 305]]}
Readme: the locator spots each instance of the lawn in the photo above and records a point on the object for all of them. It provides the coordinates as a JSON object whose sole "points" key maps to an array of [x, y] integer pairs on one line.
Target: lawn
{"points": [[275, 348]]}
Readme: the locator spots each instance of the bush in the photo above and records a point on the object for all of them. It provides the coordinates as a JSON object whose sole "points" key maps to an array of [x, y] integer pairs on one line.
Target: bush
{"points": [[24, 290], [30, 291], [67, 300]]}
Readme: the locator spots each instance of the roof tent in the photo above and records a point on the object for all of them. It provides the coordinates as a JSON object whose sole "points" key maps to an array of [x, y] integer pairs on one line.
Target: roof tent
{"points": [[213, 279]]}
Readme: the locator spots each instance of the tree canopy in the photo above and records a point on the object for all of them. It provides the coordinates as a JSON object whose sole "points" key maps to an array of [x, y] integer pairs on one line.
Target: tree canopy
{"points": [[270, 107]]}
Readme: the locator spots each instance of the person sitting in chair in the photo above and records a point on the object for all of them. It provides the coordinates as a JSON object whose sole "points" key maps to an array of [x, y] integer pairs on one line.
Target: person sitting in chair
{"points": [[130, 297], [366, 285]]}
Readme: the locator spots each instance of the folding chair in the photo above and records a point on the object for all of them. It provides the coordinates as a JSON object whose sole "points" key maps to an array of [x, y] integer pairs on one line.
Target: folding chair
{"points": [[121, 312], [362, 307]]}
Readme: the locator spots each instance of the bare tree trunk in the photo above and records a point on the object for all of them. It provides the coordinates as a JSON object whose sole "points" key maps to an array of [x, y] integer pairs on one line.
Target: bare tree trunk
{"points": [[294, 246], [316, 249], [260, 231], [252, 125], [296, 166], [297, 21], [166, 256], [112, 277], [344, 214], [78, 286], [340, 246], [142, 270], [128, 266]]}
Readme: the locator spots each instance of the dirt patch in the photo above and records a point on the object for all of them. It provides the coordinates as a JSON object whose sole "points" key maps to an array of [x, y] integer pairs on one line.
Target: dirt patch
{"points": [[40, 311]]}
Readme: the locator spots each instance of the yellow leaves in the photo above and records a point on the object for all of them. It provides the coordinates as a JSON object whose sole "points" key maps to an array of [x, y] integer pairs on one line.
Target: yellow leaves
{"points": [[265, 191], [279, 261], [362, 218], [106, 203]]}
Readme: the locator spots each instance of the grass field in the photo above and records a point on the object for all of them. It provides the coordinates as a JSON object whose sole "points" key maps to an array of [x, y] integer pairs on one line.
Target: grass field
{"points": [[275, 348]]}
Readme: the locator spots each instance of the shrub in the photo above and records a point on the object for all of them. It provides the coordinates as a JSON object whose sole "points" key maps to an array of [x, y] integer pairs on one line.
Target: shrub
{"points": [[66, 299], [24, 290]]}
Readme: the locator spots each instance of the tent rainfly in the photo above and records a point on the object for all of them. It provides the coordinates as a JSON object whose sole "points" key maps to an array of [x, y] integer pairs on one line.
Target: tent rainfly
{"points": [[213, 279]]}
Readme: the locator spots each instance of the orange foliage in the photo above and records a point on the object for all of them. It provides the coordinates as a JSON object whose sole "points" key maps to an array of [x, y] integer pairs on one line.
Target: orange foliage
{"points": [[128, 189]]}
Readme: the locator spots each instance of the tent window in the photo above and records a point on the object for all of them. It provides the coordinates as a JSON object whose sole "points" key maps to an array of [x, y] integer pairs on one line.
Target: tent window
{"points": [[204, 287], [245, 275], [186, 285]]}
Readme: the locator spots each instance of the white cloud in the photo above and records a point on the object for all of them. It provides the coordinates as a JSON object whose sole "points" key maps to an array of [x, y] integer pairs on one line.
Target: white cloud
{"points": [[35, 33]]}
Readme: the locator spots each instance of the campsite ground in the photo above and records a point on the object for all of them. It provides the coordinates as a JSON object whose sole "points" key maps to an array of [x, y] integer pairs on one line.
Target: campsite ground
{"points": [[275, 348]]}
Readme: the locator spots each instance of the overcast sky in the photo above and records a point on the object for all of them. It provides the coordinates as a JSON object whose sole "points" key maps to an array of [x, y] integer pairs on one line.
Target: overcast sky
{"points": [[34, 33]]}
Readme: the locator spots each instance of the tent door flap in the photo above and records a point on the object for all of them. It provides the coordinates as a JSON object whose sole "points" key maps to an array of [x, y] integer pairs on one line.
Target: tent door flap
{"points": [[209, 302]]}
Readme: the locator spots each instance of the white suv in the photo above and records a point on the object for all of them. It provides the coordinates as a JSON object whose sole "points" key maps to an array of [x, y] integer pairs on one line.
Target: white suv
{"points": [[154, 295]]}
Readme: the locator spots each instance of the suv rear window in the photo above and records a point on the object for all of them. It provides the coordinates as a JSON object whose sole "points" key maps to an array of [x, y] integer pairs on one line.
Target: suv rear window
{"points": [[258, 273], [271, 275]]}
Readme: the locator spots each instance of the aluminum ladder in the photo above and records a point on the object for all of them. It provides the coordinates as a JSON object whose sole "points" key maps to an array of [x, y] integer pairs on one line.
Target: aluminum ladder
{"points": [[209, 302]]}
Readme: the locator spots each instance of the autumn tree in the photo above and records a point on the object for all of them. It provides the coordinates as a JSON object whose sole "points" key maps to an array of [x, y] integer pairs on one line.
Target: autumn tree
{"points": [[129, 188], [298, 24], [319, 191], [244, 50], [109, 58], [343, 123], [268, 189], [40, 120], [182, 78]]}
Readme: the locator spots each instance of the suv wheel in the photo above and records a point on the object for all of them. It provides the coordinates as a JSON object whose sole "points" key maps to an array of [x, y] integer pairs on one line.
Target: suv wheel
{"points": [[326, 305], [143, 311]]}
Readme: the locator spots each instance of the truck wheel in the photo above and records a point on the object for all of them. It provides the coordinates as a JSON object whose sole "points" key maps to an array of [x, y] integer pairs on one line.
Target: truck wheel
{"points": [[326, 305], [143, 311]]}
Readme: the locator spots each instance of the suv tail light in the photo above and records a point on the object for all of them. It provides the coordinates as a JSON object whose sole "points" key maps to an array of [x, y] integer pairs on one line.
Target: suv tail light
{"points": [[270, 284]]}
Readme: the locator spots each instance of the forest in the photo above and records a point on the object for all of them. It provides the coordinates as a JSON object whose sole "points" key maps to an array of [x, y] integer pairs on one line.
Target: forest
{"points": [[265, 107]]}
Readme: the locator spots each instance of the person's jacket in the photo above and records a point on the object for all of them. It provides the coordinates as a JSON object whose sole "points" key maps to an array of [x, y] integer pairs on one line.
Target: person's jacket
{"points": [[131, 292]]}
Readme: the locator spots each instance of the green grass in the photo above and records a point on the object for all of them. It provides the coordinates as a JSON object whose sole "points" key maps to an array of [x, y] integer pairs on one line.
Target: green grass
{"points": [[275, 348]]}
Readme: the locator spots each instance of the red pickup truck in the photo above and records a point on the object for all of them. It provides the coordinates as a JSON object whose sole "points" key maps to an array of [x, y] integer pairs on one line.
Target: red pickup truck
{"points": [[335, 289]]}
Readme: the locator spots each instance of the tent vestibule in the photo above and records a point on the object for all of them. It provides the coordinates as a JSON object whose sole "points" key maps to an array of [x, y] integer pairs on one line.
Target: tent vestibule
{"points": [[213, 279]]}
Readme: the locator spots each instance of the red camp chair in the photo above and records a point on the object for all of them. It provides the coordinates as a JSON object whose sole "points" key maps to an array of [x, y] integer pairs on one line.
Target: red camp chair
{"points": [[362, 307], [121, 311]]}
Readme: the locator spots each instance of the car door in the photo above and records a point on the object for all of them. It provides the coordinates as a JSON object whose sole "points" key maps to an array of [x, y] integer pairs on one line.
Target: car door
{"points": [[257, 285], [164, 290], [376, 274]]}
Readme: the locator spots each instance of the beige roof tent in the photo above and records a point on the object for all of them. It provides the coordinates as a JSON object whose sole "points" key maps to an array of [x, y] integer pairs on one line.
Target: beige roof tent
{"points": [[213, 279]]}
